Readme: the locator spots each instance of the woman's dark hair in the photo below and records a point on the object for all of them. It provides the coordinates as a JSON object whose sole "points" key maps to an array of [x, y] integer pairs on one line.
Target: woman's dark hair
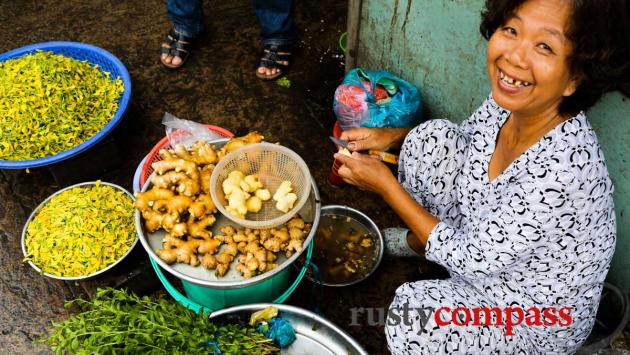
{"points": [[599, 31]]}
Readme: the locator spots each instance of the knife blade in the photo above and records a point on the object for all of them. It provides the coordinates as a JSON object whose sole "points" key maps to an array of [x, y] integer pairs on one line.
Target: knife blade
{"points": [[340, 142]]}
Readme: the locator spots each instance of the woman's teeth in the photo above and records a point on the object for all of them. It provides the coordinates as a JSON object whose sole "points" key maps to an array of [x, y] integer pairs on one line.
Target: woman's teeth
{"points": [[511, 81]]}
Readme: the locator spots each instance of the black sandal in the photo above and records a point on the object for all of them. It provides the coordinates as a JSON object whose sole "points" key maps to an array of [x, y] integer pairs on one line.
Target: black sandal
{"points": [[271, 58], [178, 46]]}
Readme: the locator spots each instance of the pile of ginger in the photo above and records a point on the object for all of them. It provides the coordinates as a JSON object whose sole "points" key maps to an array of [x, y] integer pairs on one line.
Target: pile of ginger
{"points": [[256, 250], [179, 202]]}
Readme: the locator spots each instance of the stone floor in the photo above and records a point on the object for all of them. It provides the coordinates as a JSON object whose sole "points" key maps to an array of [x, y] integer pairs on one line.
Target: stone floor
{"points": [[218, 86]]}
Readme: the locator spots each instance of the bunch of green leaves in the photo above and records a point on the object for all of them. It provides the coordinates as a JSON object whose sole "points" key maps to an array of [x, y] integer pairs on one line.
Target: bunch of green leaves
{"points": [[50, 103], [118, 322]]}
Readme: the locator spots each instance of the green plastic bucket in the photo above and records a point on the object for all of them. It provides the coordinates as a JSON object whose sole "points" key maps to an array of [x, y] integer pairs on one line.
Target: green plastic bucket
{"points": [[276, 289]]}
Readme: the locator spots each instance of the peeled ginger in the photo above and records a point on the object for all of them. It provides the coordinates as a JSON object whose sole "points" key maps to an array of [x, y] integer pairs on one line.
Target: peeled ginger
{"points": [[238, 189], [285, 199]]}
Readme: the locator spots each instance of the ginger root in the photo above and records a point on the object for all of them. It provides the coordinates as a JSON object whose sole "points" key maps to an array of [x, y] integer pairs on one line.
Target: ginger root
{"points": [[221, 263], [237, 203], [345, 152], [203, 205], [263, 194], [145, 199], [284, 197], [199, 228], [174, 205], [189, 167], [186, 184], [233, 182], [235, 143], [201, 153], [238, 188], [253, 204], [257, 247], [253, 260], [204, 175], [251, 183], [183, 183], [185, 251]]}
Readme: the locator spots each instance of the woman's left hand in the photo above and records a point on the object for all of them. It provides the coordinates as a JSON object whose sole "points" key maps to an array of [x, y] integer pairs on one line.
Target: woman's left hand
{"points": [[366, 172]]}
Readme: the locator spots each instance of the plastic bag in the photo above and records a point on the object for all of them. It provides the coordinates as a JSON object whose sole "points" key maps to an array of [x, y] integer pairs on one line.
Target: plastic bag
{"points": [[278, 329], [376, 99], [186, 132]]}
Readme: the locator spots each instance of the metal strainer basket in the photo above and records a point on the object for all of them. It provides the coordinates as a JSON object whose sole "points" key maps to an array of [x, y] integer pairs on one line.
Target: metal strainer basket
{"points": [[273, 164]]}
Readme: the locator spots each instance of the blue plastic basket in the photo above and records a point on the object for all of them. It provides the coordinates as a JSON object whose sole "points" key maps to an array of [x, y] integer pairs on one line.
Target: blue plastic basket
{"points": [[106, 62]]}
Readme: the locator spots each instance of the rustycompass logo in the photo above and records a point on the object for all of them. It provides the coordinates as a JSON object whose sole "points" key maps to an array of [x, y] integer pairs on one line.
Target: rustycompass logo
{"points": [[508, 317]]}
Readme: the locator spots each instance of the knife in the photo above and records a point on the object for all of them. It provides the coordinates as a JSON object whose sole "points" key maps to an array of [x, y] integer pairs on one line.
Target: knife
{"points": [[384, 156]]}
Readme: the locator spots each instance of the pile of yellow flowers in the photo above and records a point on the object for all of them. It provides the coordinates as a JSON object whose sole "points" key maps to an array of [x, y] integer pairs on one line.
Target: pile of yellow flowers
{"points": [[81, 230], [50, 103]]}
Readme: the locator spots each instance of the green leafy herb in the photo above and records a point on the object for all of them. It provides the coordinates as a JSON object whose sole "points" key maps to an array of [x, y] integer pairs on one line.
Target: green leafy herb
{"points": [[117, 322], [50, 103]]}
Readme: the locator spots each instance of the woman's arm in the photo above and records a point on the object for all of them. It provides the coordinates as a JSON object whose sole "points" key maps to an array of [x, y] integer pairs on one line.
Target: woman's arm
{"points": [[468, 251], [417, 219]]}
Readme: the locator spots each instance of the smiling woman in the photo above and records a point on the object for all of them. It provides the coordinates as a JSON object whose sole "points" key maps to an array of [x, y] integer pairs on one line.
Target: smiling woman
{"points": [[594, 33], [527, 61], [516, 202]]}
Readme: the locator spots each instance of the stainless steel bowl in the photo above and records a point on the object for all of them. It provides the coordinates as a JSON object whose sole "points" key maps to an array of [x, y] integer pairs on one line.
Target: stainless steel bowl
{"points": [[367, 222], [314, 334], [73, 278]]}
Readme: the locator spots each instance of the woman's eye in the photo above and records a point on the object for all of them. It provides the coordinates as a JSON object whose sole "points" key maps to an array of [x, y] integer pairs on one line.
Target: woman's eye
{"points": [[509, 30], [545, 47]]}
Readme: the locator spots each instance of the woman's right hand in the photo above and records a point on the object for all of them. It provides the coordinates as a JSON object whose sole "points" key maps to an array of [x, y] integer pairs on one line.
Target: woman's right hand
{"points": [[363, 138]]}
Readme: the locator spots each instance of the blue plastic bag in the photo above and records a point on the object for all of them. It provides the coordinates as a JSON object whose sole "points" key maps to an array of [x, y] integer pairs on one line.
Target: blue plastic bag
{"points": [[278, 329], [371, 98]]}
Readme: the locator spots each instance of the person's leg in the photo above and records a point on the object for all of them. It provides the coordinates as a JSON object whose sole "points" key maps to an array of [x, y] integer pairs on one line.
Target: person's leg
{"points": [[277, 33], [187, 19], [430, 161], [412, 328]]}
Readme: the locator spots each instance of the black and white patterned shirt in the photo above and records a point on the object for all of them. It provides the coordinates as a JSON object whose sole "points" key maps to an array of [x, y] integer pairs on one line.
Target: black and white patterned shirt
{"points": [[542, 233]]}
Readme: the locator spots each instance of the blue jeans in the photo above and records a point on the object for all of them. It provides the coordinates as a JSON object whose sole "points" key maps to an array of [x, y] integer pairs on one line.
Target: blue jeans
{"points": [[274, 16]]}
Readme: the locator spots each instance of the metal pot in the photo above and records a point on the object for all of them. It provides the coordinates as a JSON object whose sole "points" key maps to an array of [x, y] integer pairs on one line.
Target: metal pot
{"points": [[372, 228]]}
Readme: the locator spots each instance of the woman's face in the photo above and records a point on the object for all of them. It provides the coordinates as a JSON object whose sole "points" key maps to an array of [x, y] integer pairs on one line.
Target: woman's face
{"points": [[527, 59]]}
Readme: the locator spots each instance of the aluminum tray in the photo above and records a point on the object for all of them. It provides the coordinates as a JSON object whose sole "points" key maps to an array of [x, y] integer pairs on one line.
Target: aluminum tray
{"points": [[73, 278], [314, 334]]}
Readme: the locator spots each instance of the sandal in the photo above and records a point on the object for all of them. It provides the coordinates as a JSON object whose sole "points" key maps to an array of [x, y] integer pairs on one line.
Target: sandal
{"points": [[272, 58], [178, 46]]}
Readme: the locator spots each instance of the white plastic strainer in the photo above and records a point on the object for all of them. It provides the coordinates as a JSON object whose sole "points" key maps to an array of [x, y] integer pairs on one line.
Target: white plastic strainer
{"points": [[273, 164]]}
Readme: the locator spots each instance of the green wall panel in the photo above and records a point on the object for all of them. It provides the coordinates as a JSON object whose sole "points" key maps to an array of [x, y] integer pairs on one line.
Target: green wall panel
{"points": [[436, 45]]}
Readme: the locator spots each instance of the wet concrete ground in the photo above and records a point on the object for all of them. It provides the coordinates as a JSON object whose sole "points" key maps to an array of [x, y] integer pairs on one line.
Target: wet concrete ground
{"points": [[217, 86]]}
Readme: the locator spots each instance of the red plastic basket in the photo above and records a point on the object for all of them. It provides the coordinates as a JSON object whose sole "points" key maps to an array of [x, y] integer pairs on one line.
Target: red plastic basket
{"points": [[153, 155]]}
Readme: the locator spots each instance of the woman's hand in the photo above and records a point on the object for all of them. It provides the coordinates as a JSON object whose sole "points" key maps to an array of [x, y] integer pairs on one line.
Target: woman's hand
{"points": [[366, 172], [363, 138]]}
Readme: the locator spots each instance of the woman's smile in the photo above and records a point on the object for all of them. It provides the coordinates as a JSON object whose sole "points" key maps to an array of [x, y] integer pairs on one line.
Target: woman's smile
{"points": [[511, 84]]}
